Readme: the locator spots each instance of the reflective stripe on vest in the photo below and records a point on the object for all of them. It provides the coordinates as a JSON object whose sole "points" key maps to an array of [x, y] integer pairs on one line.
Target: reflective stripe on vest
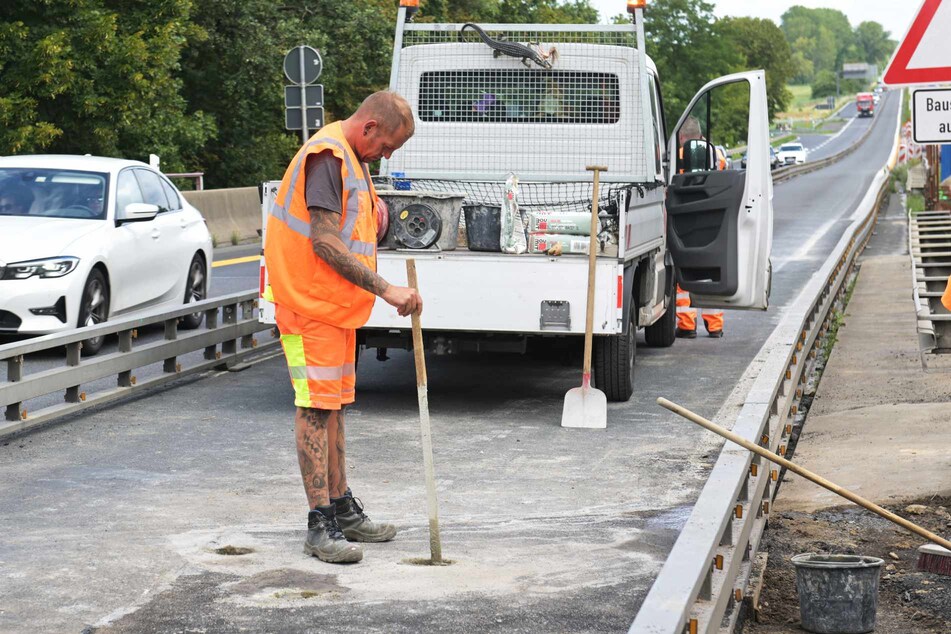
{"points": [[351, 183]]}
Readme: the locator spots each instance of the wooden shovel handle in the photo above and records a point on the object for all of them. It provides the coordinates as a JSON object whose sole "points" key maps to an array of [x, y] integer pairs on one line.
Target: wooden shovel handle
{"points": [[592, 256]]}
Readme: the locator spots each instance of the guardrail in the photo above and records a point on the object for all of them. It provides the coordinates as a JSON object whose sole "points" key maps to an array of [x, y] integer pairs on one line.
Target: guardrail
{"points": [[226, 337], [929, 246], [706, 574]]}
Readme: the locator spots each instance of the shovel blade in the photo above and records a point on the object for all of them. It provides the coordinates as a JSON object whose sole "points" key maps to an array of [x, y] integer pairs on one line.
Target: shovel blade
{"points": [[585, 407]]}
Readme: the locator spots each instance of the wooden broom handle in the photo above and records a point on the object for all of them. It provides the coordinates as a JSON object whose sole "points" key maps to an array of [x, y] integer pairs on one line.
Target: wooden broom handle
{"points": [[760, 451]]}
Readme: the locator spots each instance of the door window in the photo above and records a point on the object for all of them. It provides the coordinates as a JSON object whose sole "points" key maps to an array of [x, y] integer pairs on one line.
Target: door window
{"points": [[719, 117], [658, 128], [174, 202], [127, 191], [152, 190]]}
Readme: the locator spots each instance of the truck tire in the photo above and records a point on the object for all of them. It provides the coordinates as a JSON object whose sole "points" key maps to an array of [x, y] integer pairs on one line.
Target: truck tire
{"points": [[614, 357], [663, 332]]}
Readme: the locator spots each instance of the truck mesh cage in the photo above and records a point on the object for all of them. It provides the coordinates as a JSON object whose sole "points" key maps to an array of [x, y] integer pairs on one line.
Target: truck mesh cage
{"points": [[482, 115]]}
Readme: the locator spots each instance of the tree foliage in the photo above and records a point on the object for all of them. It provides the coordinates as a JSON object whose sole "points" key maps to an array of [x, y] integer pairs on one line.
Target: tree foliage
{"points": [[683, 41], [100, 77], [762, 45], [200, 82], [822, 40]]}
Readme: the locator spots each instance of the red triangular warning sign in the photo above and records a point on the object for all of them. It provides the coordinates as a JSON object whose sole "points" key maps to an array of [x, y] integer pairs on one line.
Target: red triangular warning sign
{"points": [[924, 57]]}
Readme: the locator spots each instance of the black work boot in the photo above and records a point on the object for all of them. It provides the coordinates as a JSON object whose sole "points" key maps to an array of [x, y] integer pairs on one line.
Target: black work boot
{"points": [[686, 334], [356, 526], [326, 542]]}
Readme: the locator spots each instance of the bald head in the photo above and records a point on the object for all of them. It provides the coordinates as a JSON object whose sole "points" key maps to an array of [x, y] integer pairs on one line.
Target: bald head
{"points": [[390, 110], [380, 126]]}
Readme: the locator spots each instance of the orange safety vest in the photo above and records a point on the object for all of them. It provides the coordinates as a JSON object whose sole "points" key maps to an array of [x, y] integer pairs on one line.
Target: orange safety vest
{"points": [[298, 278], [946, 298]]}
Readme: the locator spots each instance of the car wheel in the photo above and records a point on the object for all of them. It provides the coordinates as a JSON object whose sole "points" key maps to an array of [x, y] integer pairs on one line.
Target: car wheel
{"points": [[196, 290], [93, 309]]}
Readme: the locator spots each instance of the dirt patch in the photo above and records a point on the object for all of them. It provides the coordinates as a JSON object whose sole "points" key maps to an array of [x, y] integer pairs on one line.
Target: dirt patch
{"points": [[909, 601]]}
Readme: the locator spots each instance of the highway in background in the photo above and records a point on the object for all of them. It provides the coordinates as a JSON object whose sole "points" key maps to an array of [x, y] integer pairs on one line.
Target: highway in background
{"points": [[114, 518]]}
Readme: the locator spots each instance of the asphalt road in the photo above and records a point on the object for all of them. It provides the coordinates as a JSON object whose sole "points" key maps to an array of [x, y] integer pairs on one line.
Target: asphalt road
{"points": [[820, 146], [112, 521]]}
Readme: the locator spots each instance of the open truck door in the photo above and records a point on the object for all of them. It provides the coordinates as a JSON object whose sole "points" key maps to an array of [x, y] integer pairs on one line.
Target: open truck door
{"points": [[720, 222]]}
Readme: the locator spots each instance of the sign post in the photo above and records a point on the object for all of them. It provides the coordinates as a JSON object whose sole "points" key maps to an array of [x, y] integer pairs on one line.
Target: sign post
{"points": [[303, 100]]}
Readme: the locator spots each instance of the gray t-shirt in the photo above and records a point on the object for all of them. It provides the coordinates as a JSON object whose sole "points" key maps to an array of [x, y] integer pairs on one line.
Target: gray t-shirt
{"points": [[324, 187]]}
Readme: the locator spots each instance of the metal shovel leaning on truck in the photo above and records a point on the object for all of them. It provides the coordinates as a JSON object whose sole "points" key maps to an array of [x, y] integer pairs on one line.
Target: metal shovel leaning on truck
{"points": [[667, 215]]}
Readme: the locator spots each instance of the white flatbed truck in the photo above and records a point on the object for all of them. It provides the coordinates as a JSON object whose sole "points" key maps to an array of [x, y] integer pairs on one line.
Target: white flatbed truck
{"points": [[668, 219]]}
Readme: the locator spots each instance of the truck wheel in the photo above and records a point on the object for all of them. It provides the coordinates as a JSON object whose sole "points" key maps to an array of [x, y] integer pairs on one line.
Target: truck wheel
{"points": [[614, 357], [662, 333]]}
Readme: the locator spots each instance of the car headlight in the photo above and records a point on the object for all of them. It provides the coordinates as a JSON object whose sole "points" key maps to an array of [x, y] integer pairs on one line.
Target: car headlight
{"points": [[47, 267]]}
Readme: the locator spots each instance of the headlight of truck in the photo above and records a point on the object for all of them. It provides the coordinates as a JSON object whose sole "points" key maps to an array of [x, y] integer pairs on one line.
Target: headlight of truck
{"points": [[47, 267]]}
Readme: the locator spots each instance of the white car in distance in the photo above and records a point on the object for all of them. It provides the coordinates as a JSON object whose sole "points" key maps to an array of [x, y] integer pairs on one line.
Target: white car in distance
{"points": [[84, 239], [791, 153]]}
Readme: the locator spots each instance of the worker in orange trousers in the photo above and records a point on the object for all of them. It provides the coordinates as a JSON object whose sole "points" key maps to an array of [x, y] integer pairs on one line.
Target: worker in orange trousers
{"points": [[687, 318]]}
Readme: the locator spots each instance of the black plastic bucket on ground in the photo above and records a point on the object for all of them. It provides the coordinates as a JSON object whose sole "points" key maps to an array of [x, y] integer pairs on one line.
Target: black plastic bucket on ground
{"points": [[483, 227], [838, 594]]}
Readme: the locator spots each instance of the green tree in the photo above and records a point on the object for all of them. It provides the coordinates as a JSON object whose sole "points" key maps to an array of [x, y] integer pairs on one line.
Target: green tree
{"points": [[547, 12], [824, 84], [98, 77], [873, 43], [683, 41], [822, 36], [762, 45]]}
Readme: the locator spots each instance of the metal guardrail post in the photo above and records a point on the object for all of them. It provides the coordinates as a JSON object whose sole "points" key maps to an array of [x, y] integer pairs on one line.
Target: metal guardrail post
{"points": [[14, 375]]}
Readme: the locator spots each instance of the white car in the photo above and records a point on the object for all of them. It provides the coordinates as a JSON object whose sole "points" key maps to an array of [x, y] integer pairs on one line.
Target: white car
{"points": [[791, 153], [84, 239]]}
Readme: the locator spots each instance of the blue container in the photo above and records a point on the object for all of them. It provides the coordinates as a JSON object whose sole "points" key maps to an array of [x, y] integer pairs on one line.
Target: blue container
{"points": [[400, 181]]}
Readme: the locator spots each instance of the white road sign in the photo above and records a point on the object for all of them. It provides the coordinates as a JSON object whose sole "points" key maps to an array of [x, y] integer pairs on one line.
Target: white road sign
{"points": [[931, 115]]}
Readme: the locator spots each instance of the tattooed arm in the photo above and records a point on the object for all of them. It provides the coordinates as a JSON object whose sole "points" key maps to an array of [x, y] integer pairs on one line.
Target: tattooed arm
{"points": [[325, 238]]}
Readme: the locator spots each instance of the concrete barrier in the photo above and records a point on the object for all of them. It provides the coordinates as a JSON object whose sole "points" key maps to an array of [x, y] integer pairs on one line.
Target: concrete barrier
{"points": [[229, 212]]}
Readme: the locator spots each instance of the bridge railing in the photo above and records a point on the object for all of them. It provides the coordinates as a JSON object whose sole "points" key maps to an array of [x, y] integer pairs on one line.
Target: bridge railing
{"points": [[226, 337]]}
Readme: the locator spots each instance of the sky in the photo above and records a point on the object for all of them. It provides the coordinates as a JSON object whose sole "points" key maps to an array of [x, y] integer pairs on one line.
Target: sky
{"points": [[894, 15]]}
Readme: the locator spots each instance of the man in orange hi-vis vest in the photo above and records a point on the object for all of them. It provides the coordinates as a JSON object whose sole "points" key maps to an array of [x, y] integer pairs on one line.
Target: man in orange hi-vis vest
{"points": [[321, 262], [687, 318], [946, 298]]}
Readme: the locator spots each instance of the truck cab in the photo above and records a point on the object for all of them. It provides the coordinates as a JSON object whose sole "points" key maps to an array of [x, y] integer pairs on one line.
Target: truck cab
{"points": [[865, 104]]}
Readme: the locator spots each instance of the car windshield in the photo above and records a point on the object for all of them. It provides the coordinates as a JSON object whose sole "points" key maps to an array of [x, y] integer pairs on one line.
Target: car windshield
{"points": [[53, 193], [792, 147]]}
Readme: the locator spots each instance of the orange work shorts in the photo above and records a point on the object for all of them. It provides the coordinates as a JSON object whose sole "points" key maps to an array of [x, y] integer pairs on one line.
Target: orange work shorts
{"points": [[320, 359]]}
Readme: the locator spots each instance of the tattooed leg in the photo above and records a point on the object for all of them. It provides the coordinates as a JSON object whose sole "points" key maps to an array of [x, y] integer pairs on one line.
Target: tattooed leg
{"points": [[337, 461], [310, 430]]}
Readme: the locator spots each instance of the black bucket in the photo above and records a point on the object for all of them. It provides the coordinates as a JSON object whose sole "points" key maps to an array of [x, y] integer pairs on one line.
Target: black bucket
{"points": [[838, 594], [483, 227]]}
